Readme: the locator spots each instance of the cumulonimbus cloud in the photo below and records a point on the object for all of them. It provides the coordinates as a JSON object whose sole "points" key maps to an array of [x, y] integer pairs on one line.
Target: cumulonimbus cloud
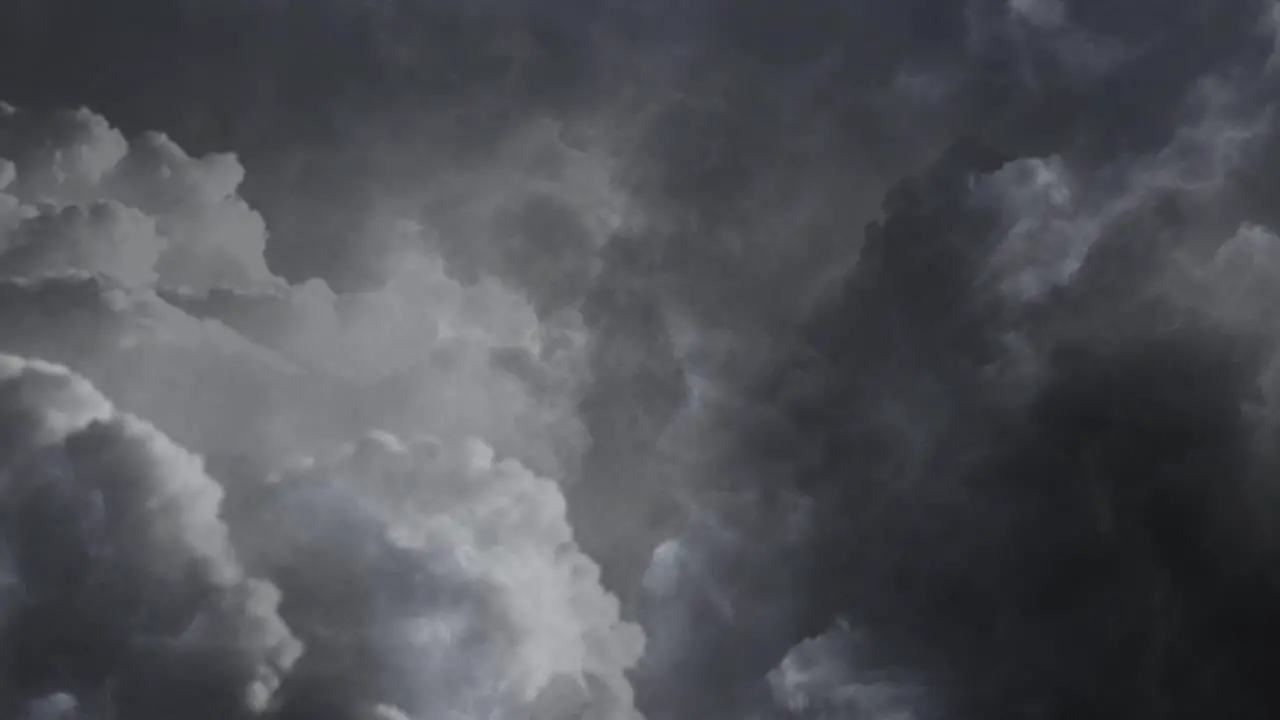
{"points": [[1003, 453], [417, 578], [122, 587]]}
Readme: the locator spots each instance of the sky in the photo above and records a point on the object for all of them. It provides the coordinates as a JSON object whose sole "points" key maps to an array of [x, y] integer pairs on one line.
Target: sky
{"points": [[627, 360]]}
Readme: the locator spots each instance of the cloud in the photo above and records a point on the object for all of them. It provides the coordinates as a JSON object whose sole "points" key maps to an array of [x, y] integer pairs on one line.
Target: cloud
{"points": [[639, 262], [159, 362], [122, 567], [1236, 284], [816, 680], [1041, 13], [454, 573], [452, 583], [1052, 219], [58, 706], [182, 289], [1031, 406], [427, 353], [104, 237], [203, 236]]}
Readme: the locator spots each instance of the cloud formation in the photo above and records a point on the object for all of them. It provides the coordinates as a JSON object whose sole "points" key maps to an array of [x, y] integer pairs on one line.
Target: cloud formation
{"points": [[123, 593], [450, 586], [1035, 421], [905, 359], [159, 243], [451, 582]]}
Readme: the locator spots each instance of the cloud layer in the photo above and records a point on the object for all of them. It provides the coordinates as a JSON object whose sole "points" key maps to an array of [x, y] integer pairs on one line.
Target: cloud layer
{"points": [[880, 360], [426, 577]]}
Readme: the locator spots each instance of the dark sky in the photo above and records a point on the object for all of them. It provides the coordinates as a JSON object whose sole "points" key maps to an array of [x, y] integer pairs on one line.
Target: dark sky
{"points": [[981, 291]]}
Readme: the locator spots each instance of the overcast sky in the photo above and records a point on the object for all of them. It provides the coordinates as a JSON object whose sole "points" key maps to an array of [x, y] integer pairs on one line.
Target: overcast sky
{"points": [[622, 359]]}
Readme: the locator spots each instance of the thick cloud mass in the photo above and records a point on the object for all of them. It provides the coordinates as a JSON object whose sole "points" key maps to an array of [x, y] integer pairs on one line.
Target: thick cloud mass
{"points": [[449, 584], [431, 578], [168, 274], [1037, 423], [122, 591], [723, 359]]}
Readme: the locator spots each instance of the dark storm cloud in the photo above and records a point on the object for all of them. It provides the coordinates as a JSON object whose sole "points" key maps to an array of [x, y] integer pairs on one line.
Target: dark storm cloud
{"points": [[453, 604], [1000, 453], [750, 185], [1037, 481]]}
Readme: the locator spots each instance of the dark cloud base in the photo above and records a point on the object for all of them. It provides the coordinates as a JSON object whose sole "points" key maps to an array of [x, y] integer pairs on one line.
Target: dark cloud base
{"points": [[1090, 542]]}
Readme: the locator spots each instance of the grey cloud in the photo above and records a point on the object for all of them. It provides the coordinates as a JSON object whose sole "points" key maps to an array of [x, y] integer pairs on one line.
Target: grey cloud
{"points": [[451, 586], [818, 678], [452, 583], [123, 565], [106, 236], [1053, 218], [651, 223], [177, 284], [204, 234], [981, 512]]}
